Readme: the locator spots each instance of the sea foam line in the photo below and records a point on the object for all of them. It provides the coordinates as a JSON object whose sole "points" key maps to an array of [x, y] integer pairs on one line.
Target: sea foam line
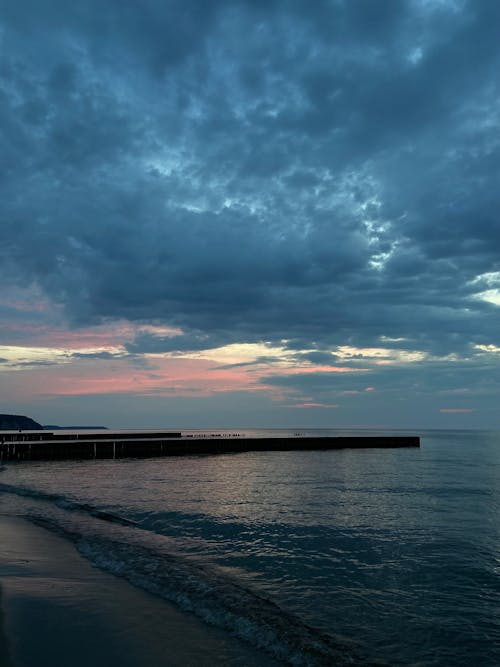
{"points": [[205, 591]]}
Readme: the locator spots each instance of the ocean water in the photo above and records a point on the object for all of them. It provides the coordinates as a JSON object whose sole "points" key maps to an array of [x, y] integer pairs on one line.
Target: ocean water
{"points": [[388, 556]]}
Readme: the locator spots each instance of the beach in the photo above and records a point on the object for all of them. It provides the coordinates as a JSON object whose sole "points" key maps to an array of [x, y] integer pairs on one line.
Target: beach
{"points": [[344, 557], [57, 609]]}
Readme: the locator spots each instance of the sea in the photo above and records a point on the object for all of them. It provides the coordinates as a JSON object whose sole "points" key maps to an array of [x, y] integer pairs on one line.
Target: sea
{"points": [[351, 556]]}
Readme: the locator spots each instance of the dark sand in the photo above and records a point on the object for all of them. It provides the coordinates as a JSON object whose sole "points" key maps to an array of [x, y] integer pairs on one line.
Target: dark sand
{"points": [[56, 610]]}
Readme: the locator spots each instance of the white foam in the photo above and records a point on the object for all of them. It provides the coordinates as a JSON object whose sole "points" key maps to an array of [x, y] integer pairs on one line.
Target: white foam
{"points": [[151, 562]]}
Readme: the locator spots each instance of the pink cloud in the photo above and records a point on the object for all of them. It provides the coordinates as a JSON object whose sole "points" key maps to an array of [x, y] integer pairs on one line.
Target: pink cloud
{"points": [[50, 336], [179, 377], [29, 300], [106, 335], [156, 375]]}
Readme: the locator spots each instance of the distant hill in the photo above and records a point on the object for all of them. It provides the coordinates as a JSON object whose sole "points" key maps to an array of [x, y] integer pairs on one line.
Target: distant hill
{"points": [[16, 422]]}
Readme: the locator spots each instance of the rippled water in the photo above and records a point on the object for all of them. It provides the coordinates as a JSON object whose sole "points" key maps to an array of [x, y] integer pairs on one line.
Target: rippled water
{"points": [[392, 553]]}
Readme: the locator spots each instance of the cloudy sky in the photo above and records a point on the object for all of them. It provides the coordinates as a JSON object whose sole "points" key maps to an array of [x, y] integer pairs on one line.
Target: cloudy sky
{"points": [[250, 212]]}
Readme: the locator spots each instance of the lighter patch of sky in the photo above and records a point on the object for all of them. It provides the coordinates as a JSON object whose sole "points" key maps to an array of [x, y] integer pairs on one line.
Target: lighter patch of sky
{"points": [[490, 280], [415, 56], [166, 165], [19, 357], [16, 355], [258, 355], [380, 355], [159, 330], [389, 339], [376, 229], [490, 296], [433, 5], [235, 353], [491, 349], [379, 260]]}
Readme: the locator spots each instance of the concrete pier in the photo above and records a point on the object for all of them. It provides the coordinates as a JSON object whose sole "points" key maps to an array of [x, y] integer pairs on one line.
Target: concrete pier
{"points": [[47, 445]]}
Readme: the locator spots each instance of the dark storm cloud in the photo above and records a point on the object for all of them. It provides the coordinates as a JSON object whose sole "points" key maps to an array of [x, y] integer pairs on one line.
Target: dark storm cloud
{"points": [[149, 343], [265, 360], [321, 173], [317, 357], [93, 355]]}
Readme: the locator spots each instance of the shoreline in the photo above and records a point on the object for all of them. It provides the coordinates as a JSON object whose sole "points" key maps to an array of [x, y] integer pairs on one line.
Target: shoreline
{"points": [[58, 609]]}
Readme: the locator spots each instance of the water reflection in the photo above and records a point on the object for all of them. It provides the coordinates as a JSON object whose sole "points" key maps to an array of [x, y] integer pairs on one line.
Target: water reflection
{"points": [[397, 546]]}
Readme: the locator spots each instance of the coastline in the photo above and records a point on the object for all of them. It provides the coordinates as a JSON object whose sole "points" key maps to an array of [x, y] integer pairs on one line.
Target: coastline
{"points": [[57, 609]]}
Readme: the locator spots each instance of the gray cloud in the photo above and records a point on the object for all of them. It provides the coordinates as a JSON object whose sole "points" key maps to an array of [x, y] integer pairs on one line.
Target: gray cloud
{"points": [[319, 173], [264, 360], [93, 355], [470, 384], [149, 343]]}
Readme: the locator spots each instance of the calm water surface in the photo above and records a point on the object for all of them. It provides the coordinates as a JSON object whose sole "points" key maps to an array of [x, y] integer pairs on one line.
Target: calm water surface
{"points": [[395, 552]]}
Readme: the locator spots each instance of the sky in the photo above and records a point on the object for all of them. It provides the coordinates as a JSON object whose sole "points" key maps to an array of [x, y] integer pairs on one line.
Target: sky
{"points": [[244, 213]]}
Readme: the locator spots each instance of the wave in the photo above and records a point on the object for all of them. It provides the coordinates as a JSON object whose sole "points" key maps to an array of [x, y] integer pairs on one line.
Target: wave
{"points": [[68, 504], [128, 551]]}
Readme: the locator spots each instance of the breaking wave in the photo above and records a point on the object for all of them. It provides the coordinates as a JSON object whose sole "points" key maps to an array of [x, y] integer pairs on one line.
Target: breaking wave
{"points": [[150, 561]]}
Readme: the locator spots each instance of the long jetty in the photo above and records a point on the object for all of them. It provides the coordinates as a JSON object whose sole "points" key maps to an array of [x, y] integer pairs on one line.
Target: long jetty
{"points": [[48, 445]]}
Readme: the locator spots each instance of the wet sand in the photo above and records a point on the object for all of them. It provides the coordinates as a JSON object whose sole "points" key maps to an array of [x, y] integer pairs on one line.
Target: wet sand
{"points": [[57, 609]]}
